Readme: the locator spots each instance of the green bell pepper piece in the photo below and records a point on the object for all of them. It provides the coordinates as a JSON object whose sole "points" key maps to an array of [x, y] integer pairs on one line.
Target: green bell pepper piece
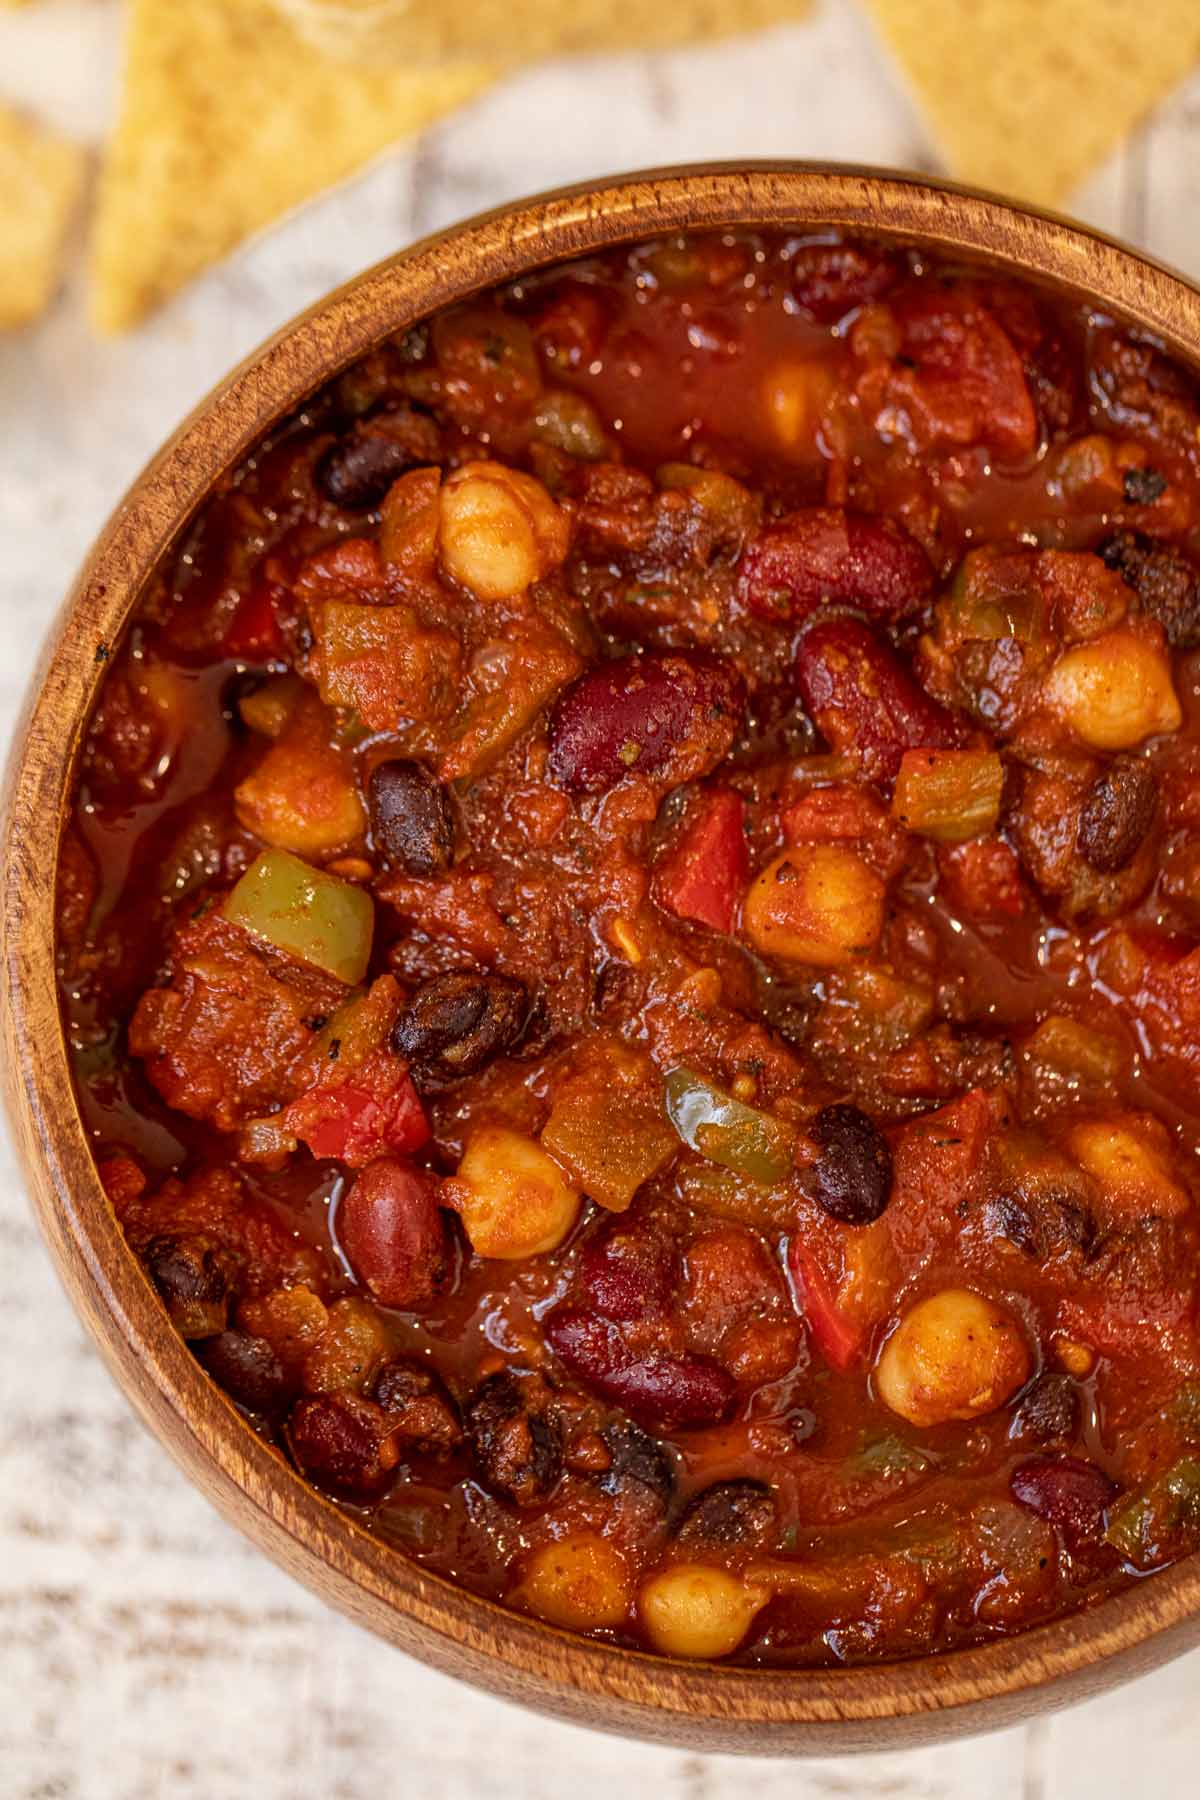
{"points": [[1161, 1519], [311, 915], [741, 1138]]}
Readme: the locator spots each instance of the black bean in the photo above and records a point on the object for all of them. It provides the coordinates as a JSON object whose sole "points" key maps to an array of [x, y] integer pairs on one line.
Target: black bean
{"points": [[248, 1369], [415, 1395], [1047, 1412], [1006, 1217], [1142, 487], [1117, 815], [357, 471], [192, 1277], [456, 1023], [1043, 1224], [412, 821], [853, 1175], [636, 1457], [515, 1442], [729, 1514], [1166, 581]]}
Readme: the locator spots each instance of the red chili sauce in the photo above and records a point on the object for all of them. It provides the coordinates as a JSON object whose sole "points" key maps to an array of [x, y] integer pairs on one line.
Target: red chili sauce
{"points": [[629, 936]]}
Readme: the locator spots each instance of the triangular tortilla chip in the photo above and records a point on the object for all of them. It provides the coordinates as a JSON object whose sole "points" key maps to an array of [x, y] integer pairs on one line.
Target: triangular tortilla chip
{"points": [[40, 180], [406, 31], [227, 120], [1027, 95]]}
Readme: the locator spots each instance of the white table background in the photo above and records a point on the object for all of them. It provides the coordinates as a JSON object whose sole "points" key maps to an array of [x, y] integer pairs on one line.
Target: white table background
{"points": [[145, 1649]]}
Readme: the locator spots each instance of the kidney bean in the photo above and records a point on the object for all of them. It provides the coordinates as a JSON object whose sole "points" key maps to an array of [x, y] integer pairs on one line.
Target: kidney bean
{"points": [[417, 1402], [628, 1273], [729, 1514], [515, 1442], [864, 701], [390, 1228], [248, 1369], [412, 822], [672, 715], [342, 1441], [638, 1458], [1048, 1411], [853, 1175], [821, 554], [1068, 1493], [455, 1023], [1167, 583], [660, 1388], [1117, 815], [192, 1278], [830, 280]]}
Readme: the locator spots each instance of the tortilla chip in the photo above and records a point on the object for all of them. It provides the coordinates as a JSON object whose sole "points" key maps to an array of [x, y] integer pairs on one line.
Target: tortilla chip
{"points": [[227, 120], [434, 31], [40, 180], [1028, 95]]}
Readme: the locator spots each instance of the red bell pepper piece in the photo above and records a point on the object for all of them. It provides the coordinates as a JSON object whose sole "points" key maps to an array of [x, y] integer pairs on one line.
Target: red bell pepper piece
{"points": [[835, 1335], [705, 874]]}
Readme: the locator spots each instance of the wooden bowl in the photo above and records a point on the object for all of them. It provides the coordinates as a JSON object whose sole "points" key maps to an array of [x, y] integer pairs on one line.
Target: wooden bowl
{"points": [[699, 1706]]}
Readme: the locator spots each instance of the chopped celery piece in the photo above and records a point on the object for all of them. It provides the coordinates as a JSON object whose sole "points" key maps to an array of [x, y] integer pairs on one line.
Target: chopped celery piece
{"points": [[950, 795]]}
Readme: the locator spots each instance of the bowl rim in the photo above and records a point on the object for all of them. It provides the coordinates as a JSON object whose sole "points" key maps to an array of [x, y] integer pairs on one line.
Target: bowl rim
{"points": [[700, 1705]]}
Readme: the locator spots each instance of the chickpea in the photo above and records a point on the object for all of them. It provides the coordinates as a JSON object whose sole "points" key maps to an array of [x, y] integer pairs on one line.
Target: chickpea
{"points": [[1132, 1163], [513, 1199], [697, 1611], [582, 1583], [500, 530], [819, 904], [794, 397], [1115, 691], [954, 1356], [1076, 1358]]}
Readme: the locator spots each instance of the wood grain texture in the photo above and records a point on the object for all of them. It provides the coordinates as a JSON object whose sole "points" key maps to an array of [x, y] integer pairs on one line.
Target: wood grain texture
{"points": [[146, 1649], [715, 1708]]}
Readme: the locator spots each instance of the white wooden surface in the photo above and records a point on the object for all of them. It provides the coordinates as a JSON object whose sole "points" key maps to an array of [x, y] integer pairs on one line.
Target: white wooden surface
{"points": [[145, 1650]]}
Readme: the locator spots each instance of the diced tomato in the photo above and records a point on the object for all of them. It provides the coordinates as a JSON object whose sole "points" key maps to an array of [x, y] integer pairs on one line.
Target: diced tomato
{"points": [[957, 378], [254, 631], [936, 1158], [844, 813], [832, 814], [984, 878], [122, 1181], [707, 871], [376, 1112]]}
